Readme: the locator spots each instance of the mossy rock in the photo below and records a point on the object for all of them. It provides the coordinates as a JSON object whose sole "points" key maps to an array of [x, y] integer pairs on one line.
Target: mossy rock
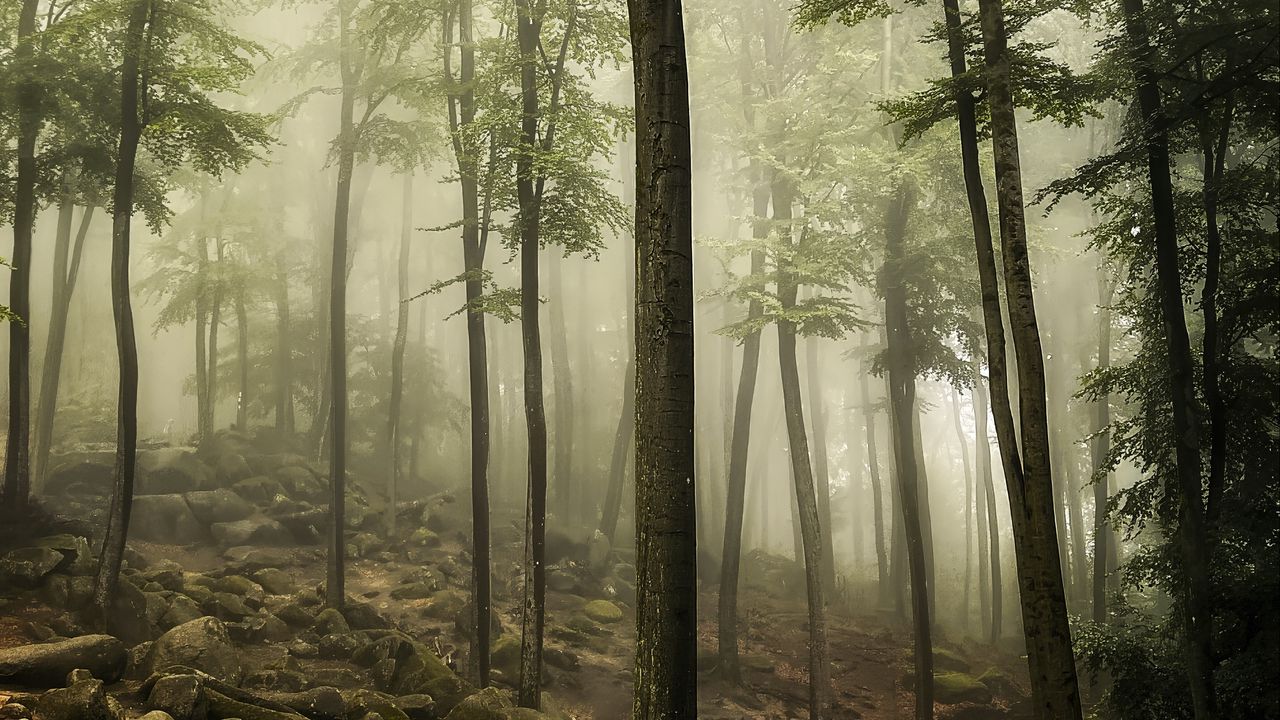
{"points": [[506, 655], [360, 702], [444, 605], [950, 688], [999, 682], [423, 537], [221, 706], [945, 660], [488, 704], [602, 611]]}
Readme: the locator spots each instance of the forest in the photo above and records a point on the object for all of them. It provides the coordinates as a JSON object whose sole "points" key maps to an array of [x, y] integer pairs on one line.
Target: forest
{"points": [[982, 293]]}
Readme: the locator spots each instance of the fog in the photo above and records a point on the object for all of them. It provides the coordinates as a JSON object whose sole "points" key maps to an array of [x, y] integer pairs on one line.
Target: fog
{"points": [[826, 156]]}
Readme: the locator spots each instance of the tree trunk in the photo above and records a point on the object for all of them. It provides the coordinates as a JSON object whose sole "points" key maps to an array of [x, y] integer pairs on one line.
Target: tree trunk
{"points": [[202, 338], [562, 385], [66, 270], [877, 492], [666, 573], [131, 126], [17, 467], [284, 353], [397, 353], [902, 390], [462, 112], [740, 445], [982, 448], [1193, 530], [211, 362], [1055, 690], [335, 576], [822, 484], [968, 504], [1100, 448], [242, 340]]}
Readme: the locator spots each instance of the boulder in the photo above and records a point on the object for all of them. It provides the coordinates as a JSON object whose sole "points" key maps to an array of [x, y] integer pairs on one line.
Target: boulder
{"points": [[226, 606], [202, 644], [488, 704], [182, 609], [221, 706], [363, 616], [330, 621], [67, 592], [300, 483], [82, 700], [171, 470], [259, 489], [80, 560], [417, 707], [92, 475], [602, 611], [318, 703], [48, 664], [950, 688], [241, 587], [214, 506], [182, 696], [27, 567], [250, 531], [360, 703], [231, 468], [165, 519], [945, 660], [506, 655], [275, 581]]}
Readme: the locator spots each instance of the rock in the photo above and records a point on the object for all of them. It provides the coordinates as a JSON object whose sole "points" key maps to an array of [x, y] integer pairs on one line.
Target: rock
{"points": [[259, 489], [241, 587], [602, 611], [598, 551], [80, 560], [201, 644], [945, 660], [27, 567], [275, 581], [83, 700], [268, 628], [971, 711], [416, 707], [953, 687], [505, 655], [250, 531], [182, 696], [231, 468], [171, 470], [413, 591], [68, 592], [318, 703], [444, 605], [560, 547], [92, 475], [488, 704], [277, 680], [182, 609], [221, 706], [362, 703], [221, 505], [226, 606], [561, 659], [363, 616], [330, 621], [301, 649], [46, 665], [165, 519], [300, 482], [167, 573], [423, 537], [339, 677], [339, 646], [364, 544], [295, 615], [155, 715]]}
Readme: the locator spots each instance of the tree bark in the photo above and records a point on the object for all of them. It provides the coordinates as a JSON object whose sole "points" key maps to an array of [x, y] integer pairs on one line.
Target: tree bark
{"points": [[982, 449], [66, 270], [877, 491], [1193, 530], [666, 573], [821, 476], [1054, 687], [969, 510], [17, 459], [131, 128], [562, 385], [1099, 449], [394, 425], [211, 361], [902, 390]]}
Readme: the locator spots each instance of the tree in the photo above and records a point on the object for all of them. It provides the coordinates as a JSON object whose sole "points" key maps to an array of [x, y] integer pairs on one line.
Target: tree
{"points": [[666, 586], [394, 428]]}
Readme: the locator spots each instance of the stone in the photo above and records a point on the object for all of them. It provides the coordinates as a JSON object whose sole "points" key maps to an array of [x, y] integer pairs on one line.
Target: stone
{"points": [[318, 703], [221, 706], [277, 680], [364, 544], [91, 475], [84, 700], [80, 560], [27, 567], [171, 470], [202, 644], [181, 609], [295, 615], [954, 687], [226, 606], [602, 611], [339, 646], [14, 711], [362, 703], [423, 537], [231, 468], [945, 660], [240, 586], [302, 649], [363, 616], [416, 707], [275, 581], [250, 531], [47, 664], [165, 519], [413, 591], [330, 621], [182, 696], [300, 482], [167, 573], [268, 628], [259, 489], [560, 547], [246, 559], [444, 605], [505, 655], [155, 715], [339, 677], [68, 592], [488, 704], [221, 505]]}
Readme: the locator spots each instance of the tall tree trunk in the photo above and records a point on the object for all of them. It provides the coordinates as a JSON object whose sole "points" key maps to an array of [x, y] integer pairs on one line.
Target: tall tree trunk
{"points": [[562, 385], [822, 483], [1099, 449], [202, 337], [926, 508], [666, 573], [131, 127], [66, 270], [740, 445], [17, 467], [529, 32], [877, 492], [211, 361], [982, 447], [801, 471], [394, 426], [1193, 530], [968, 504], [462, 112], [902, 390], [1054, 688], [284, 353], [242, 341], [335, 575], [624, 434]]}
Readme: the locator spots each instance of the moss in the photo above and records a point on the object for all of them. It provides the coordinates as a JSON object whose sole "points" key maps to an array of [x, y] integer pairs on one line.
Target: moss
{"points": [[488, 704], [945, 660], [954, 687], [221, 706], [602, 611]]}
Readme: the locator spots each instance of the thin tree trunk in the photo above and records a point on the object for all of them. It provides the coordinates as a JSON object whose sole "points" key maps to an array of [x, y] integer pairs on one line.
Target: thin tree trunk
{"points": [[982, 448], [17, 460], [202, 337], [562, 386], [822, 485], [902, 389], [968, 504], [1054, 688], [1100, 448], [1193, 530], [131, 127], [666, 573], [335, 576], [926, 508], [211, 366], [284, 353], [242, 340], [397, 353], [877, 492], [66, 270]]}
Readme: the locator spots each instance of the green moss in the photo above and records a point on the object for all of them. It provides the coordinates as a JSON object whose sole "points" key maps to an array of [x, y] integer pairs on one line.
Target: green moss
{"points": [[602, 611], [506, 655], [954, 687]]}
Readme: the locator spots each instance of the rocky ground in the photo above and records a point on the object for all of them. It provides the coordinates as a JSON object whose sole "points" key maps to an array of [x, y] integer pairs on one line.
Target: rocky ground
{"points": [[220, 613]]}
